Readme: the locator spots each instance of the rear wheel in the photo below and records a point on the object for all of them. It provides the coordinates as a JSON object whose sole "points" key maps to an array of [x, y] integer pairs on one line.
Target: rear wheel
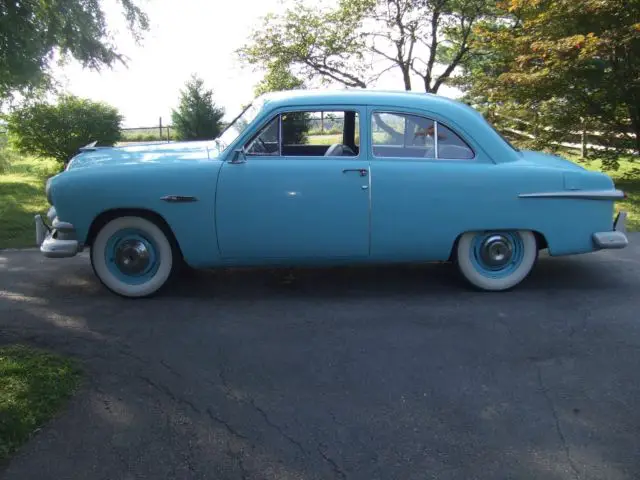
{"points": [[496, 260], [132, 256]]}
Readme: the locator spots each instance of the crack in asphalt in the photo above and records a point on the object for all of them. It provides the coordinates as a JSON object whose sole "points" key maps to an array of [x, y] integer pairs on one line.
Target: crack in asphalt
{"points": [[275, 426], [170, 368], [336, 468], [169, 393], [225, 424], [554, 412], [230, 394]]}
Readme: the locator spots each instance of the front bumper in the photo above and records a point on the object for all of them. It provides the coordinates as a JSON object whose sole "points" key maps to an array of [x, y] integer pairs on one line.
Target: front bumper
{"points": [[57, 241], [616, 238]]}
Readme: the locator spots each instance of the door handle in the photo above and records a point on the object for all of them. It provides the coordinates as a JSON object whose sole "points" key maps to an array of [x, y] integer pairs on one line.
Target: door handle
{"points": [[362, 171]]}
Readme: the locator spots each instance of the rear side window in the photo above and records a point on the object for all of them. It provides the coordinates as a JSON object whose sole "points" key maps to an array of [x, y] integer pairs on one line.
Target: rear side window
{"points": [[451, 146], [402, 135]]}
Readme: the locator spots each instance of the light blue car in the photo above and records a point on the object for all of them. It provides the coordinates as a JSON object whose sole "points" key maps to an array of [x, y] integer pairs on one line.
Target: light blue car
{"points": [[329, 178]]}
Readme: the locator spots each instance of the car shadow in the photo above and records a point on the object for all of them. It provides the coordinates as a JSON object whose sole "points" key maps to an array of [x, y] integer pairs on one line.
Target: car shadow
{"points": [[432, 279]]}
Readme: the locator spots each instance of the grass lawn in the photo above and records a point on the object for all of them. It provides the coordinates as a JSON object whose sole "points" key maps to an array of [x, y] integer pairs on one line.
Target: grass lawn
{"points": [[21, 197], [626, 180], [34, 385]]}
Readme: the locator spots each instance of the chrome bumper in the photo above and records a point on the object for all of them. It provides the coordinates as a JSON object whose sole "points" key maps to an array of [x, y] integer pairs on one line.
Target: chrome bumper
{"points": [[616, 238], [57, 241]]}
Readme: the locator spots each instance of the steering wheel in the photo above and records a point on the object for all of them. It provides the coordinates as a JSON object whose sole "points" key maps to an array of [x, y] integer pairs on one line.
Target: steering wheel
{"points": [[339, 150]]}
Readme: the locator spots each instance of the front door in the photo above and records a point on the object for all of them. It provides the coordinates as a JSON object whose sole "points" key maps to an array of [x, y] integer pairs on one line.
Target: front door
{"points": [[302, 193]]}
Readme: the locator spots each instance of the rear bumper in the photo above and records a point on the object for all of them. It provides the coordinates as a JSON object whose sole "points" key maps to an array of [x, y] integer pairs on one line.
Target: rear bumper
{"points": [[57, 241], [616, 238]]}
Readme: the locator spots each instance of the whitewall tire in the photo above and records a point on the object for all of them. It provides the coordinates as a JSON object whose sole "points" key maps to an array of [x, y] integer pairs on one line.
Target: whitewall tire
{"points": [[496, 260], [132, 256]]}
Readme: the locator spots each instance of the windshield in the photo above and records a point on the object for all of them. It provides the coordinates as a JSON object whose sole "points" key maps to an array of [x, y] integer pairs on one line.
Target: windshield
{"points": [[239, 124]]}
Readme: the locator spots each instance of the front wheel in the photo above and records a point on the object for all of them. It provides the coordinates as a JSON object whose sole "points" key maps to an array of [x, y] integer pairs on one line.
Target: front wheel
{"points": [[496, 260], [132, 257]]}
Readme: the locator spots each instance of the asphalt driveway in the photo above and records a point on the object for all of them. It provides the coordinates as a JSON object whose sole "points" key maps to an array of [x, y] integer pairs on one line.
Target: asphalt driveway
{"points": [[368, 373]]}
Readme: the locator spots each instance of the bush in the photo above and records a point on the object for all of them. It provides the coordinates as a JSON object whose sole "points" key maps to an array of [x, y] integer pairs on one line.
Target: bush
{"points": [[59, 130], [197, 116]]}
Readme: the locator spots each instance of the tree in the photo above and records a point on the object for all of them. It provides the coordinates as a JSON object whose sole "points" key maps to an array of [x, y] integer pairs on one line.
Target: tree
{"points": [[31, 32], [278, 77], [359, 40], [564, 66], [59, 130], [197, 116]]}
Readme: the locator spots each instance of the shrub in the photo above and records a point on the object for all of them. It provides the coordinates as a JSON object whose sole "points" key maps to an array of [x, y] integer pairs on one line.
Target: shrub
{"points": [[59, 130], [197, 116]]}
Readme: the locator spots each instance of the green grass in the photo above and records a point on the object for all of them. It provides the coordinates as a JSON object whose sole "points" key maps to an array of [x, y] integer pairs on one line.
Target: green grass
{"points": [[324, 139], [627, 179], [21, 197], [34, 385], [147, 134]]}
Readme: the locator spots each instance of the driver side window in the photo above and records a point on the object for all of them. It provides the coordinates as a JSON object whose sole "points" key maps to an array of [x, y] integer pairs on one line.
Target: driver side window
{"points": [[267, 142], [328, 133]]}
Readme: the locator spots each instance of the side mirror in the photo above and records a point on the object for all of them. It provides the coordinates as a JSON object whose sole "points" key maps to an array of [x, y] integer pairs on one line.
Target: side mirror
{"points": [[238, 156]]}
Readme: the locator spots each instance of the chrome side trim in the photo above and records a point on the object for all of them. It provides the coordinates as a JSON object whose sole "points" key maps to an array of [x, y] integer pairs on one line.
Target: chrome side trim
{"points": [[179, 198], [578, 194], [435, 139]]}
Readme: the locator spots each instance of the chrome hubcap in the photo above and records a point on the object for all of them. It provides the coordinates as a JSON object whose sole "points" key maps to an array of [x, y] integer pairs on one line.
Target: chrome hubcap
{"points": [[132, 257], [496, 251]]}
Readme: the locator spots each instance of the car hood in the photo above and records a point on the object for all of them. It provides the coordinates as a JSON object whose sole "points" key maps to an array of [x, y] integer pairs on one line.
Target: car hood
{"points": [[547, 160], [146, 153]]}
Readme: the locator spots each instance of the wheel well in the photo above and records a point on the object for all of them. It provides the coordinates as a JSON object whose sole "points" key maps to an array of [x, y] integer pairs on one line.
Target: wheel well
{"points": [[108, 215], [541, 241]]}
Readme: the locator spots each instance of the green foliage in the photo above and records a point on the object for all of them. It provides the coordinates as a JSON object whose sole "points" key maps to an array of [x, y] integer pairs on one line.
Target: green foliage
{"points": [[564, 66], [319, 43], [32, 31], [295, 128], [34, 384], [197, 116], [22, 196], [7, 157], [59, 130], [342, 44], [147, 135], [277, 78]]}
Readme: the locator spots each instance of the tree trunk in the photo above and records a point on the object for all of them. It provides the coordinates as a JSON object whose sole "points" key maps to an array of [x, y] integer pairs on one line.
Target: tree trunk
{"points": [[634, 114], [406, 76], [583, 139]]}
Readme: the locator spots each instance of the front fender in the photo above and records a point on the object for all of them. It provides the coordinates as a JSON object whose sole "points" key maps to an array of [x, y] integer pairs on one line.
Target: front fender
{"points": [[81, 195]]}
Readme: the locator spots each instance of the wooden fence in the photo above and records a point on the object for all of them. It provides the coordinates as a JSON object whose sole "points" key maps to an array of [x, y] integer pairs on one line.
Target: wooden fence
{"points": [[582, 144]]}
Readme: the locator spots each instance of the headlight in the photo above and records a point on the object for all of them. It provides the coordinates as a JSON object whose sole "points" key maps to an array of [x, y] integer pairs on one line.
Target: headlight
{"points": [[47, 191]]}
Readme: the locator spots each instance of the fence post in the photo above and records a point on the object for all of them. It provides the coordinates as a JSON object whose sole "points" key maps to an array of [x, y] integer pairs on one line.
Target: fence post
{"points": [[160, 126], [168, 134]]}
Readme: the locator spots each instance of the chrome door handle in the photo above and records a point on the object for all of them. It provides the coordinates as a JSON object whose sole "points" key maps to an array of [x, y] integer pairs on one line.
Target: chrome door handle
{"points": [[362, 171]]}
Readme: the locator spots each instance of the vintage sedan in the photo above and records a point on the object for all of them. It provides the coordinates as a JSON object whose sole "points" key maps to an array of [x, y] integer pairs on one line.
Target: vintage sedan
{"points": [[329, 178]]}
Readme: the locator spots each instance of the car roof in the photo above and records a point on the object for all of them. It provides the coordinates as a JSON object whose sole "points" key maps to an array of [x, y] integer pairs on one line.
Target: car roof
{"points": [[360, 96]]}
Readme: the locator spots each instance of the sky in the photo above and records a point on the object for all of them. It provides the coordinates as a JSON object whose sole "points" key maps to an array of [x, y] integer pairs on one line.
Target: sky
{"points": [[186, 36]]}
